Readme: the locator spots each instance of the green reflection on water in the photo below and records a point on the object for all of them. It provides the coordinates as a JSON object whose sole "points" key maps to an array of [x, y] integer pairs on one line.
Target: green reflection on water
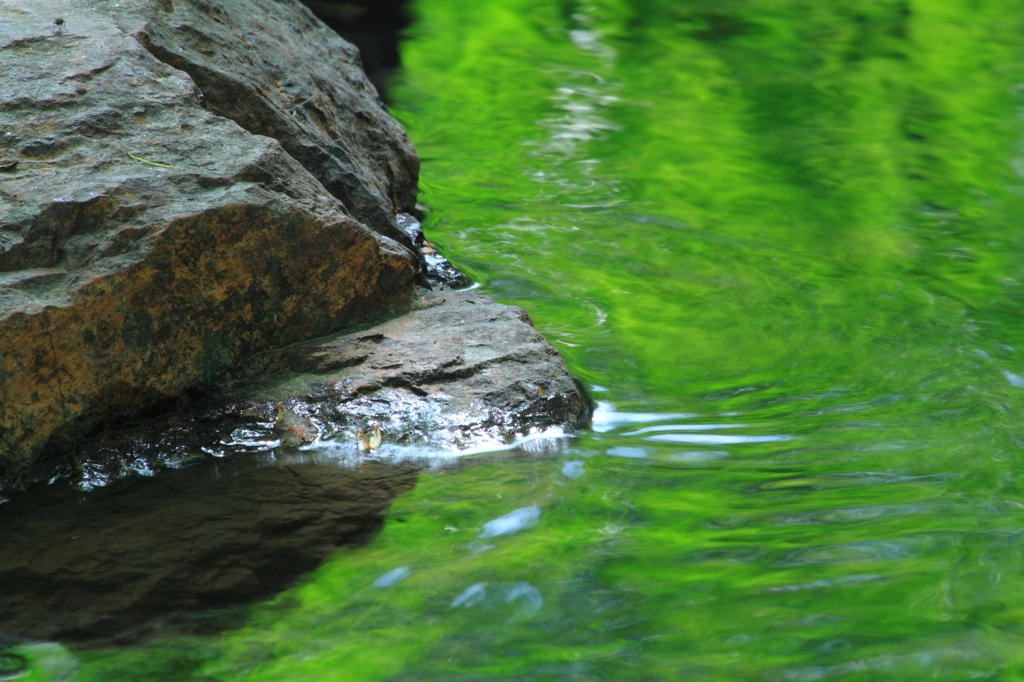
{"points": [[776, 218]]}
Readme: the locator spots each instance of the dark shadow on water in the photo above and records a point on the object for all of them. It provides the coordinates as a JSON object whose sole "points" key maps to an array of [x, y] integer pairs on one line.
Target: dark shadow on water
{"points": [[180, 552]]}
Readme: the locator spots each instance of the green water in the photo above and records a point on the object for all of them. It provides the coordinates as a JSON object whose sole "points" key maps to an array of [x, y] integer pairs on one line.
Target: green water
{"points": [[782, 241]]}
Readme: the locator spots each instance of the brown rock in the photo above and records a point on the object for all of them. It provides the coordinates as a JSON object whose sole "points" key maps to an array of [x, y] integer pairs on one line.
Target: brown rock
{"points": [[458, 374], [148, 244]]}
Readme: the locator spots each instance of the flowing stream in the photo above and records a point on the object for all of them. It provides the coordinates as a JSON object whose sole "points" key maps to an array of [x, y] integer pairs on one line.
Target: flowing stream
{"points": [[781, 242]]}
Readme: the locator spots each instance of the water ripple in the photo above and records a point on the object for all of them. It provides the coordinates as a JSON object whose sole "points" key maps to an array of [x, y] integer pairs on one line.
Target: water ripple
{"points": [[513, 522], [714, 439]]}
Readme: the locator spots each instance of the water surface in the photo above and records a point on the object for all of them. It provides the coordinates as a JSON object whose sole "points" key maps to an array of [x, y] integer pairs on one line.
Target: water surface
{"points": [[781, 241]]}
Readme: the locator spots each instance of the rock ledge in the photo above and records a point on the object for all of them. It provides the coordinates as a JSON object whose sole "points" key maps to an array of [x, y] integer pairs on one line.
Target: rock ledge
{"points": [[460, 374]]}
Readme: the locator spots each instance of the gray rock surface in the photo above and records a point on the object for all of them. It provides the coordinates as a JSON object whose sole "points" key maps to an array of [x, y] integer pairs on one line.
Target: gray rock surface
{"points": [[275, 69], [459, 373], [147, 243]]}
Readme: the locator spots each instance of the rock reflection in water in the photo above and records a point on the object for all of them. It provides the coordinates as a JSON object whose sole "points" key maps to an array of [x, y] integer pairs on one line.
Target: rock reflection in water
{"points": [[131, 560]]}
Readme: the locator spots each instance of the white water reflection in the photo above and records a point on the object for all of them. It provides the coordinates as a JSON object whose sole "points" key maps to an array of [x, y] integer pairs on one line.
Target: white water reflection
{"points": [[528, 597], [841, 581], [683, 427], [698, 456], [525, 598], [714, 439], [392, 577], [513, 522], [606, 418], [1015, 380], [573, 469], [472, 595], [629, 453], [537, 440]]}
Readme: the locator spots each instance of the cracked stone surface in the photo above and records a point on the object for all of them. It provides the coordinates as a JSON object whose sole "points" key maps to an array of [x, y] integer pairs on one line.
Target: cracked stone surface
{"points": [[276, 70], [178, 181]]}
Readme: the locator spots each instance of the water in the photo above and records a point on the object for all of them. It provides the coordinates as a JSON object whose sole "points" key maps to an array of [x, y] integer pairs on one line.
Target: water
{"points": [[780, 240]]}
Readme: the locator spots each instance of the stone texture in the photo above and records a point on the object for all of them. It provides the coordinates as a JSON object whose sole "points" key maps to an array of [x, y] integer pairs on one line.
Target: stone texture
{"points": [[276, 70], [459, 374], [124, 284], [376, 27], [127, 561]]}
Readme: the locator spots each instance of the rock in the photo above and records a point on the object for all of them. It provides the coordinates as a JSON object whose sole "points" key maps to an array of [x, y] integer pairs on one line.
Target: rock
{"points": [[147, 243], [438, 268], [459, 374], [374, 26], [275, 69], [187, 184], [132, 560]]}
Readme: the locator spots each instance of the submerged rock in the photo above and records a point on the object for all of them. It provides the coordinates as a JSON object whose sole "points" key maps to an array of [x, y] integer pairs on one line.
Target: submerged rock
{"points": [[133, 560], [181, 185]]}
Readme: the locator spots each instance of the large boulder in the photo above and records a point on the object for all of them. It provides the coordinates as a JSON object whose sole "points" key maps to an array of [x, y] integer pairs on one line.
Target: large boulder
{"points": [[181, 185], [459, 373]]}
